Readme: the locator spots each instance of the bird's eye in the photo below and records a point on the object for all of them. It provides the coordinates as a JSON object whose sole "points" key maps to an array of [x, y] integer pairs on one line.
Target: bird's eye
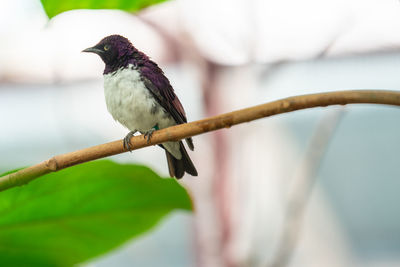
{"points": [[106, 47]]}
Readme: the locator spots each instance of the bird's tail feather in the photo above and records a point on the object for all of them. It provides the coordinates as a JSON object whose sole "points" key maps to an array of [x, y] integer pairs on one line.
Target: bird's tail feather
{"points": [[178, 167]]}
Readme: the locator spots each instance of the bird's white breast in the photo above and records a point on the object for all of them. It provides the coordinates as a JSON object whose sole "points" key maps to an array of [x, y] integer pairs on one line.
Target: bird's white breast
{"points": [[132, 104]]}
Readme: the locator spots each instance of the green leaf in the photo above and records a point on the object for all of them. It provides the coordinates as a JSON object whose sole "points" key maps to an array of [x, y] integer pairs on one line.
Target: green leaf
{"points": [[55, 7], [68, 217]]}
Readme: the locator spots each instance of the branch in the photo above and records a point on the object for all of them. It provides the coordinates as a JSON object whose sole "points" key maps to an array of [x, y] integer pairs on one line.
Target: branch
{"points": [[182, 131]]}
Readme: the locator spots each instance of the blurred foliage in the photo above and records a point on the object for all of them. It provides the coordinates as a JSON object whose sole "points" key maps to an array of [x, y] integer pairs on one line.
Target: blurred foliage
{"points": [[70, 216], [55, 7]]}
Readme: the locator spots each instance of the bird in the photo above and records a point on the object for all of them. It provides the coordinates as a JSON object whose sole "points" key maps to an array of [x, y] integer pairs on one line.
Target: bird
{"points": [[140, 97]]}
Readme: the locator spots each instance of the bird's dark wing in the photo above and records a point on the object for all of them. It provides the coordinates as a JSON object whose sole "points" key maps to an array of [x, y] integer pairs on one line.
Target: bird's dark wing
{"points": [[159, 85], [155, 80]]}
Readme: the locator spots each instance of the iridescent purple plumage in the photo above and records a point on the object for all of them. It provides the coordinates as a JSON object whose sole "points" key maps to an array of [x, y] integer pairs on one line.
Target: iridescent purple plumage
{"points": [[126, 54], [118, 53]]}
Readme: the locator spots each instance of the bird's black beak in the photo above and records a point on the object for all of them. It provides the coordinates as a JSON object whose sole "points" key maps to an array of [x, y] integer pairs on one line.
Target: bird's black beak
{"points": [[93, 50]]}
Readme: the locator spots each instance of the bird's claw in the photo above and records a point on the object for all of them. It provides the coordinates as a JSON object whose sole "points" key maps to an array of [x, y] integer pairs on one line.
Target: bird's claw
{"points": [[127, 141], [148, 134]]}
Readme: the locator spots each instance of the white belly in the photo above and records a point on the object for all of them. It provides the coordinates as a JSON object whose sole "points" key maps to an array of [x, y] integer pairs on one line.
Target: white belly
{"points": [[131, 104]]}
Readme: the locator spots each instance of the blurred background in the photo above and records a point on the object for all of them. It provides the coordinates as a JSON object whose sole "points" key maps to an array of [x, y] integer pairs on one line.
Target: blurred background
{"points": [[317, 187]]}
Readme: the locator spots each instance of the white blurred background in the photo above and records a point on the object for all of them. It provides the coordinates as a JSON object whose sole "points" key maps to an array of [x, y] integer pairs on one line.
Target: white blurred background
{"points": [[220, 56]]}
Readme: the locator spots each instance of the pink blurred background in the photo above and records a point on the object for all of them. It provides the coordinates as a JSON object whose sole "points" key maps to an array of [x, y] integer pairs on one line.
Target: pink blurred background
{"points": [[220, 56]]}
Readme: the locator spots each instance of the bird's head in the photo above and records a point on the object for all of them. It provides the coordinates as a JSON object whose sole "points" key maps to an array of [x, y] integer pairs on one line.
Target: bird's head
{"points": [[113, 49]]}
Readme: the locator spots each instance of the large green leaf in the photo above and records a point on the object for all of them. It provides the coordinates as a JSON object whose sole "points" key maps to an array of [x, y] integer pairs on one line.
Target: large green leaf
{"points": [[67, 217], [54, 7]]}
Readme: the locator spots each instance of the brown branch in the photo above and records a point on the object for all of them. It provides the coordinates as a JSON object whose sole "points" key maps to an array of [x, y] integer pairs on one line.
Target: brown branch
{"points": [[182, 131]]}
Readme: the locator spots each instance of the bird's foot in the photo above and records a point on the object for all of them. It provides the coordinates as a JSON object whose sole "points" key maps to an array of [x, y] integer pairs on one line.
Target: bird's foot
{"points": [[127, 141], [150, 132]]}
